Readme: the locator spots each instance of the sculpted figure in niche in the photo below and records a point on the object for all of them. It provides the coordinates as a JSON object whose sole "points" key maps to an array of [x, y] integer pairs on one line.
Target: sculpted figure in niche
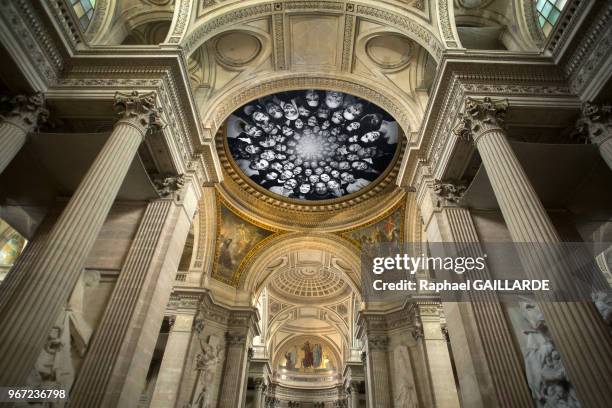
{"points": [[206, 365]]}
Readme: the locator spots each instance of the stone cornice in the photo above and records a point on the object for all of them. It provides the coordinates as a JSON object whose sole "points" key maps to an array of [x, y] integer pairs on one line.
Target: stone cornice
{"points": [[518, 76], [48, 49], [370, 323], [234, 319], [102, 70]]}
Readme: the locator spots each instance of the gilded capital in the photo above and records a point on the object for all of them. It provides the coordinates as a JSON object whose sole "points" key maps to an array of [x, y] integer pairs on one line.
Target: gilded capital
{"points": [[27, 112], [139, 110], [480, 117]]}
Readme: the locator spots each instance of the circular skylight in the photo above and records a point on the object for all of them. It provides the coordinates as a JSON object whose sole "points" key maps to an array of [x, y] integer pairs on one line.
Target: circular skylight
{"points": [[312, 144]]}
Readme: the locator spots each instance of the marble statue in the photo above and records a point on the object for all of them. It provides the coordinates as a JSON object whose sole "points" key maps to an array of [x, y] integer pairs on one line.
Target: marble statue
{"points": [[206, 363], [546, 375]]}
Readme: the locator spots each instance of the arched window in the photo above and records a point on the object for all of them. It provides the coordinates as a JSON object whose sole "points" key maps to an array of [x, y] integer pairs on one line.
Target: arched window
{"points": [[84, 10], [549, 12]]}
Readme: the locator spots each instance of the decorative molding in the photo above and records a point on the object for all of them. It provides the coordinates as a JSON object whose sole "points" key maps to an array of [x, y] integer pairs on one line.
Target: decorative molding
{"points": [[591, 53], [445, 24], [297, 81], [408, 26], [182, 12], [531, 19], [34, 39], [278, 26], [348, 42], [203, 31], [100, 15]]}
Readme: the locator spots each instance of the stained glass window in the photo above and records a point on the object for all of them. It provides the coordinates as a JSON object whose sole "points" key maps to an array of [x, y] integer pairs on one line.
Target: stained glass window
{"points": [[84, 10], [549, 12]]}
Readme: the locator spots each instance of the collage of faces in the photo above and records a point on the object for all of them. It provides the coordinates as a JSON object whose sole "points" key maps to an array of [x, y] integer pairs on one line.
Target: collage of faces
{"points": [[312, 144]]}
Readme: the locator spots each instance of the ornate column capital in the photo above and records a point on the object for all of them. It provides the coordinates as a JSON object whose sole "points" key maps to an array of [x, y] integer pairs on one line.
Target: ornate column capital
{"points": [[595, 124], [480, 117], [235, 338], [26, 112], [378, 342], [166, 186], [448, 192], [139, 111]]}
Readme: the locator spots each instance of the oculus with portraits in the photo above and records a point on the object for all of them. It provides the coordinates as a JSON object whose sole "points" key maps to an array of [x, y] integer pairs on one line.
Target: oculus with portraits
{"points": [[312, 144]]}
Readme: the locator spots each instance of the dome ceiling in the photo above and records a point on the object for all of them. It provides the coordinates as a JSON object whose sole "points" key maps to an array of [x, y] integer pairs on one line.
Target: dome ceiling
{"points": [[312, 145], [309, 277]]}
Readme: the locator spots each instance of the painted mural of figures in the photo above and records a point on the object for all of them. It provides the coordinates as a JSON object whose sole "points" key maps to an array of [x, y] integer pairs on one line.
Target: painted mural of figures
{"points": [[317, 356], [307, 361], [225, 253], [545, 372], [291, 358]]}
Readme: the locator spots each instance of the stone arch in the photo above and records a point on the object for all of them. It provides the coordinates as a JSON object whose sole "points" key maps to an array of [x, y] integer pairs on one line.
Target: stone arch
{"points": [[220, 107], [257, 273], [343, 329], [111, 25], [411, 26]]}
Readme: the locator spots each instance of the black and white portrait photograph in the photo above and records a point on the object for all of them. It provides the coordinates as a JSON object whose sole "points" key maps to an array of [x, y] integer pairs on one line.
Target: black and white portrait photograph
{"points": [[312, 144]]}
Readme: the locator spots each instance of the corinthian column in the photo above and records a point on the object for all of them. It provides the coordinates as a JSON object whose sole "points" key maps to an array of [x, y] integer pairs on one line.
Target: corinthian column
{"points": [[234, 373], [353, 391], [259, 392], [26, 114], [576, 327], [378, 371], [595, 125], [173, 363], [50, 278], [489, 369]]}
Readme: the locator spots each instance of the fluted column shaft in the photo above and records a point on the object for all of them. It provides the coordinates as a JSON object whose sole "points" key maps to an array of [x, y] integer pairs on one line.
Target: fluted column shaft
{"points": [[12, 139], [378, 371], [354, 392], [489, 368], [259, 393], [234, 372], [438, 358], [36, 301], [605, 150], [129, 327], [576, 327], [16, 273], [173, 363], [52, 275], [26, 114]]}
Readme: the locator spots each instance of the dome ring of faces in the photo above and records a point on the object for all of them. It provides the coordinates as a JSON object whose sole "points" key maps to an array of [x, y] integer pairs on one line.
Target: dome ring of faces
{"points": [[312, 144]]}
